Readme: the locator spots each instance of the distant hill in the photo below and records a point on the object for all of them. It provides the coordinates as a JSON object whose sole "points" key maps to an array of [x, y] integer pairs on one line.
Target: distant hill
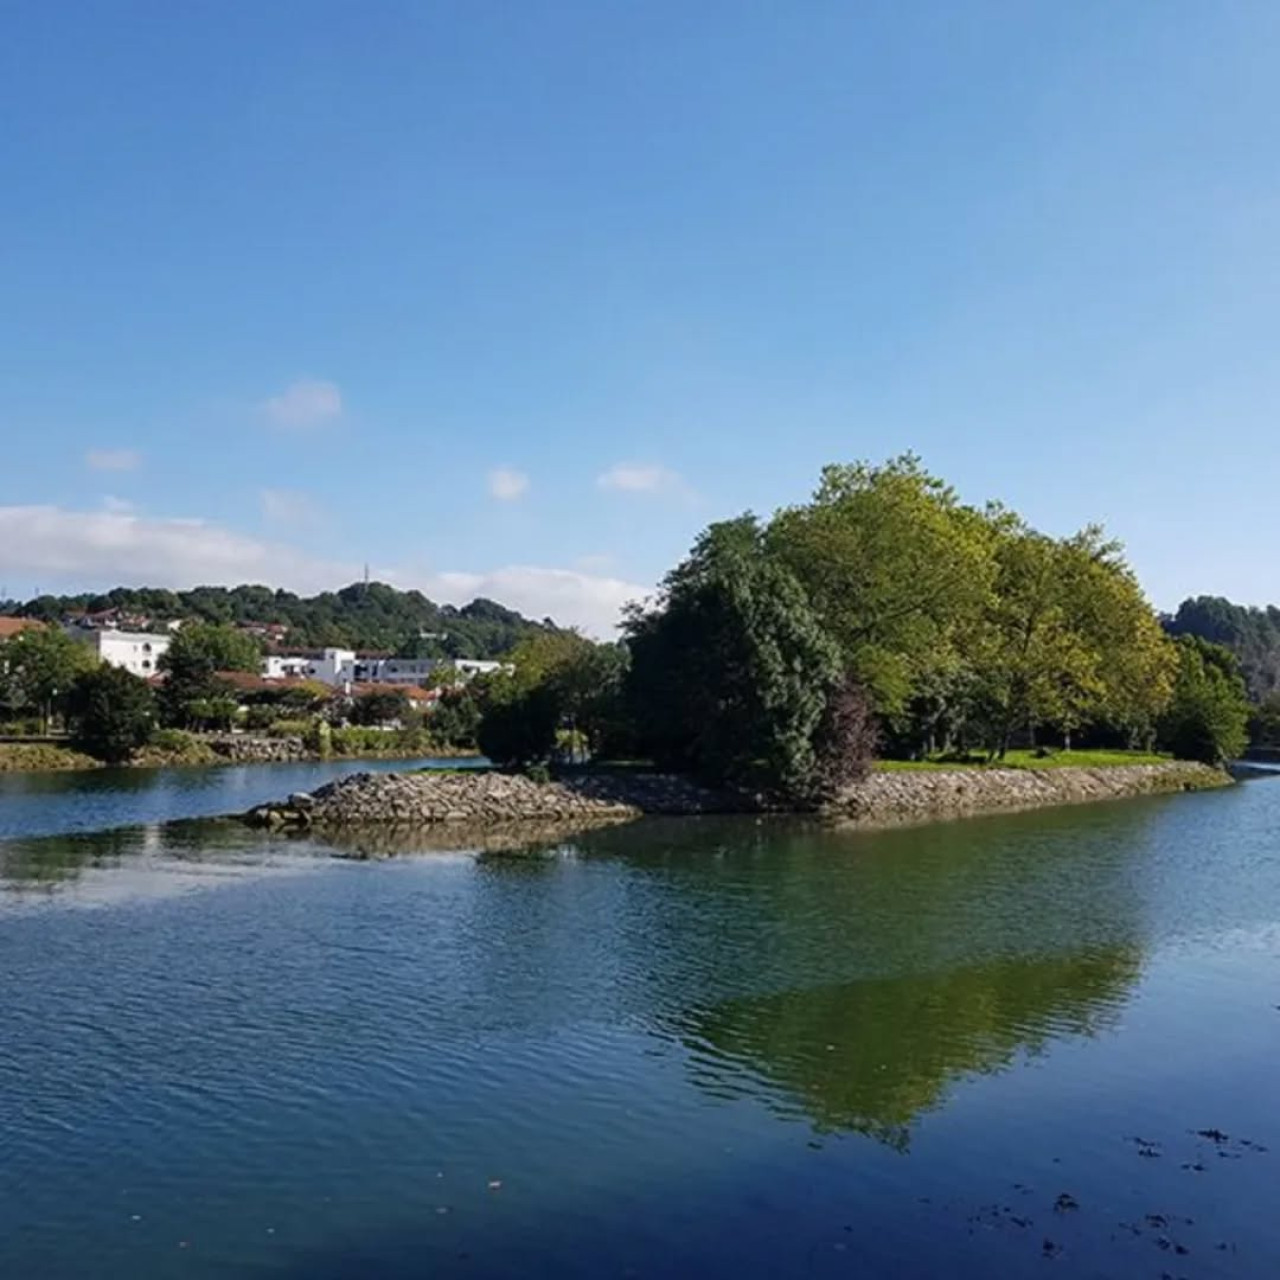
{"points": [[361, 616], [1253, 635]]}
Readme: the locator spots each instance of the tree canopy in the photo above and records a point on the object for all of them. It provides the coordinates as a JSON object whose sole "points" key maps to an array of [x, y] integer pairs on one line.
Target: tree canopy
{"points": [[360, 616], [38, 668]]}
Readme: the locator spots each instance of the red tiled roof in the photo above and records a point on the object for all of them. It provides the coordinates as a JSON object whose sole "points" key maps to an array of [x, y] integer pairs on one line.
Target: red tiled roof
{"points": [[251, 681], [9, 627]]}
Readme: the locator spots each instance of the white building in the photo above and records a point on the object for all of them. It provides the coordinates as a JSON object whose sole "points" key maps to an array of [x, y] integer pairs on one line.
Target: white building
{"points": [[395, 671], [280, 666], [341, 667], [135, 651]]}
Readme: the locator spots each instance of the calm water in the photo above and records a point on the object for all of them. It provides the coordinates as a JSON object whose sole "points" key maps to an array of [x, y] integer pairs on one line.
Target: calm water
{"points": [[671, 1049], [46, 804]]}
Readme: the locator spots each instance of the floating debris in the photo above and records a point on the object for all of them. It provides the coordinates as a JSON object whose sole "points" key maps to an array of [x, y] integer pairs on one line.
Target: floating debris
{"points": [[1049, 1249], [1066, 1203]]}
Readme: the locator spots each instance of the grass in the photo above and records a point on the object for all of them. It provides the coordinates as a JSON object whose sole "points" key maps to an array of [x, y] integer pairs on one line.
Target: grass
{"points": [[1030, 760]]}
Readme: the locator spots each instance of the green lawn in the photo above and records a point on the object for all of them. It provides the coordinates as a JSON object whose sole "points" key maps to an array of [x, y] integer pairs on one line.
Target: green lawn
{"points": [[1029, 760]]}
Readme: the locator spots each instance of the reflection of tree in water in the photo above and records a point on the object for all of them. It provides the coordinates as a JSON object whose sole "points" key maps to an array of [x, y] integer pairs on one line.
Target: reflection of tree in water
{"points": [[872, 1056]]}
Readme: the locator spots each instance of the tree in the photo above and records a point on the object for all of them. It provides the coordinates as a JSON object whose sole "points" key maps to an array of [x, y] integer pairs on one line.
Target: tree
{"points": [[455, 719], [1264, 727], [844, 744], [379, 706], [40, 665], [730, 674], [1209, 716], [1253, 635], [894, 566], [192, 693], [112, 713], [517, 725], [584, 679]]}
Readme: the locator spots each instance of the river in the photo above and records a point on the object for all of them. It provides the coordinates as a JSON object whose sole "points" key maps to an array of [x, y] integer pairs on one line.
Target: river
{"points": [[1040, 1044]]}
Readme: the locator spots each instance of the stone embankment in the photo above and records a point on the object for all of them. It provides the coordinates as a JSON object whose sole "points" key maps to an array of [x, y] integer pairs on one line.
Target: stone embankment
{"points": [[239, 748], [486, 798], [891, 798]]}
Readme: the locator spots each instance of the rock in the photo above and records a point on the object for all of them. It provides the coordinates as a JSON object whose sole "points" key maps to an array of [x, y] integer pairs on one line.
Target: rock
{"points": [[486, 797]]}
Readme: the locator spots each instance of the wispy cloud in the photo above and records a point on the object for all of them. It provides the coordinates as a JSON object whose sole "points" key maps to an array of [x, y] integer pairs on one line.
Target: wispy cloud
{"points": [[289, 508], [506, 484], [307, 402], [117, 506], [79, 549], [113, 459], [642, 477]]}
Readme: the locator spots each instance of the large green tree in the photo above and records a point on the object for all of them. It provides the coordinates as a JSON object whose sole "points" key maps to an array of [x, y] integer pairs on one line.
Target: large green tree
{"points": [[731, 672], [112, 713], [896, 568], [192, 693], [39, 666]]}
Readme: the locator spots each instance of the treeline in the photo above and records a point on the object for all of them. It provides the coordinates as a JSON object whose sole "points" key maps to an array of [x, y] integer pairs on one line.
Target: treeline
{"points": [[884, 614], [360, 616]]}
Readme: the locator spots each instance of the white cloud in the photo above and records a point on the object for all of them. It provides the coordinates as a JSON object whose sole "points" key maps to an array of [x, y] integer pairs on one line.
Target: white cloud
{"points": [[288, 509], [305, 403], [77, 549], [571, 598], [117, 506], [506, 484], [113, 459], [638, 477]]}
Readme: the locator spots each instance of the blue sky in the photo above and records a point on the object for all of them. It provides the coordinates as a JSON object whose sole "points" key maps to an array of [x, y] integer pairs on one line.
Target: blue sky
{"points": [[515, 297]]}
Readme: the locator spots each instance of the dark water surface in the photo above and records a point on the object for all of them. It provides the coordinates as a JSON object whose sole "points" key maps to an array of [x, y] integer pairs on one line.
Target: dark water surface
{"points": [[694, 1048]]}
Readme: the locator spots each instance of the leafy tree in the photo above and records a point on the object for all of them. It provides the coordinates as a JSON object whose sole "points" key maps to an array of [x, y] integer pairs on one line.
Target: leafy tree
{"points": [[40, 665], [844, 744], [379, 706], [1209, 715], [1264, 727], [730, 674], [112, 713], [894, 566], [455, 719], [193, 694], [584, 679], [517, 726]]}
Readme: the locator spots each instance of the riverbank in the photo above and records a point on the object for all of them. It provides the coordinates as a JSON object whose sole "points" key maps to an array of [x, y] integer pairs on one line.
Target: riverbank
{"points": [[426, 799], [175, 749]]}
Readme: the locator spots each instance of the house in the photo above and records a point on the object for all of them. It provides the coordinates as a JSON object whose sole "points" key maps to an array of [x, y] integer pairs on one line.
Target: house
{"points": [[136, 651]]}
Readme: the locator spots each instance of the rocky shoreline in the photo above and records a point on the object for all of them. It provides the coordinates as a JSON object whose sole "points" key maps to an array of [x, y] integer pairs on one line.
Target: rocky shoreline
{"points": [[489, 798]]}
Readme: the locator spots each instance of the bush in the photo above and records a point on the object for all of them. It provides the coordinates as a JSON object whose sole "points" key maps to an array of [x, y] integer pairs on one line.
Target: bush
{"points": [[178, 741], [259, 717], [379, 706], [290, 728]]}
